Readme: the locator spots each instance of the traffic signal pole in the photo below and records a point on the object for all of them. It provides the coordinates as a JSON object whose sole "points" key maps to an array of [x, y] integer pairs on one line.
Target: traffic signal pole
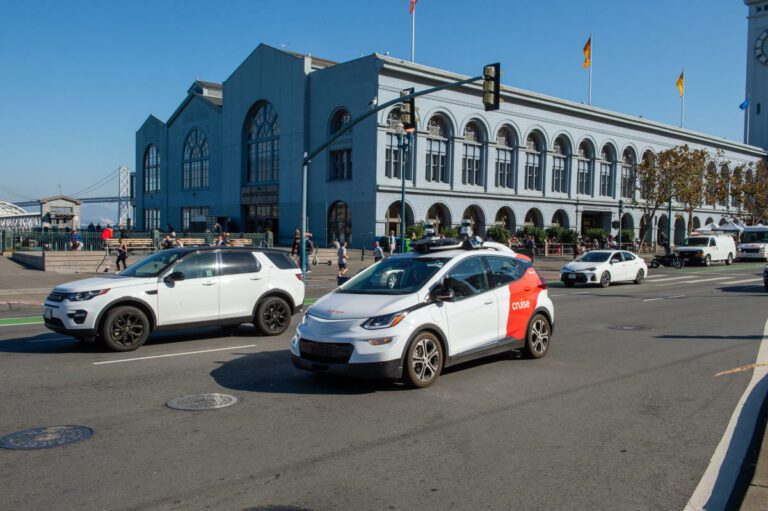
{"points": [[486, 76]]}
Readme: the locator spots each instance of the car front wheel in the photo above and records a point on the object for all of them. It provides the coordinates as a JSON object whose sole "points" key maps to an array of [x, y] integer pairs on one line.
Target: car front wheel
{"points": [[640, 277], [729, 261], [423, 361], [273, 316], [707, 260], [605, 279], [538, 337], [125, 329]]}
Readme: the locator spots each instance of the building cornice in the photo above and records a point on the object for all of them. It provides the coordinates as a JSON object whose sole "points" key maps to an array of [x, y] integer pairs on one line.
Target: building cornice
{"points": [[514, 96]]}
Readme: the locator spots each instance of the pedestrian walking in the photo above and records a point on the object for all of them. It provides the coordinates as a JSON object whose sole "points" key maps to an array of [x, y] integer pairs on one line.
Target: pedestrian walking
{"points": [[392, 242], [378, 252], [342, 253], [122, 253]]}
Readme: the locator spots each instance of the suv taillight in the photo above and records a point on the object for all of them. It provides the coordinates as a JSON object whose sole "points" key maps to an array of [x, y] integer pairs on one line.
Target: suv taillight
{"points": [[298, 276]]}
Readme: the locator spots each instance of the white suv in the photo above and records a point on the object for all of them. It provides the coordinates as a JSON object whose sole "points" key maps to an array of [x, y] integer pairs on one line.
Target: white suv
{"points": [[180, 288], [411, 315]]}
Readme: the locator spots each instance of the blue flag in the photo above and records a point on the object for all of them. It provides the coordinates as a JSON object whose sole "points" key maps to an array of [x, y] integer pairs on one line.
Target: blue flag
{"points": [[744, 105]]}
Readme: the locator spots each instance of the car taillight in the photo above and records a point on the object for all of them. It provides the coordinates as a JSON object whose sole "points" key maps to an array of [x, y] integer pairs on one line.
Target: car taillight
{"points": [[298, 276], [542, 283]]}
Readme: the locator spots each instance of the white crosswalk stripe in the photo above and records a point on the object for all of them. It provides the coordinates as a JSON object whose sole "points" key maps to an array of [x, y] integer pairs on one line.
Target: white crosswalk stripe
{"points": [[703, 280], [674, 278]]}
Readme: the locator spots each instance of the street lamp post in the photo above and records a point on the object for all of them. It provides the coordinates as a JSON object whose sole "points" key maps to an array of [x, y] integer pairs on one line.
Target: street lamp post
{"points": [[621, 209], [403, 145]]}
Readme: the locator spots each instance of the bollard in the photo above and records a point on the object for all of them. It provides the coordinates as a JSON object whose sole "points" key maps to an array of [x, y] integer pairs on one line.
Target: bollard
{"points": [[362, 257]]}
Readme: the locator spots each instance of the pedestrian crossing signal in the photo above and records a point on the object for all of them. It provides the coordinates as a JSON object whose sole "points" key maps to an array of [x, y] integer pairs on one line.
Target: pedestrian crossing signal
{"points": [[491, 86], [408, 113]]}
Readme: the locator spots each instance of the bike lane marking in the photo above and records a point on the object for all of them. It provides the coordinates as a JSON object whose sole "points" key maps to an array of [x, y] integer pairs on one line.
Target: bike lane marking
{"points": [[173, 354], [745, 281], [704, 280]]}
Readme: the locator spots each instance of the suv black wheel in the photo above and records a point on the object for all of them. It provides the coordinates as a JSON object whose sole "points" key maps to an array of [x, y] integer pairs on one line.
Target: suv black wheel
{"points": [[273, 316], [423, 361], [125, 328], [538, 337]]}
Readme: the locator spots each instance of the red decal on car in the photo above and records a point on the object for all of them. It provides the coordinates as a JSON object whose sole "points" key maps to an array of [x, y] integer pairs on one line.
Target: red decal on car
{"points": [[523, 298]]}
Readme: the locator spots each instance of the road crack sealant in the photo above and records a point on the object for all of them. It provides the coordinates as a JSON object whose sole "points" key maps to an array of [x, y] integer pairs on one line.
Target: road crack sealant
{"points": [[720, 479]]}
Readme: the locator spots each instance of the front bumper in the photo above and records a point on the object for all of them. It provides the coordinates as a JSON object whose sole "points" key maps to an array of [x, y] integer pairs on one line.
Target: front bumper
{"points": [[391, 370], [77, 319], [579, 277]]}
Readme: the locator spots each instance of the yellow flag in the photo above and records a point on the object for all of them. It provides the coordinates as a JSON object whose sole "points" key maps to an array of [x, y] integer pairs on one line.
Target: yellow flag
{"points": [[681, 83], [587, 53]]}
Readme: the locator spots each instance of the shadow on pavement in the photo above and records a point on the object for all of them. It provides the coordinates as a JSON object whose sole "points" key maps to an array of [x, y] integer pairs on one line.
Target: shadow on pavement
{"points": [[751, 288], [273, 372]]}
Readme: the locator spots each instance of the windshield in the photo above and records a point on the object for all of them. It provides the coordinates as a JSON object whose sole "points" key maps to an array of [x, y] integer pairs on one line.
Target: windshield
{"points": [[151, 266], [394, 276], [754, 237], [696, 242], [594, 257]]}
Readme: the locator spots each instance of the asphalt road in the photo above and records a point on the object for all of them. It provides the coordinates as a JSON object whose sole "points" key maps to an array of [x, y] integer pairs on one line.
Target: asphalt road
{"points": [[624, 413]]}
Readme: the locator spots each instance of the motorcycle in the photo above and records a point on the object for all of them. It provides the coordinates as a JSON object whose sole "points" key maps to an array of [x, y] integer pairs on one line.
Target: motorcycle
{"points": [[671, 259]]}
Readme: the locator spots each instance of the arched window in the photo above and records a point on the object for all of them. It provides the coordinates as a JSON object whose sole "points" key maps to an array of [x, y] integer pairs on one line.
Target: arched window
{"points": [[262, 136], [438, 150], [533, 173], [584, 161], [560, 165], [472, 159], [196, 161], [340, 152], [506, 147], [607, 165], [151, 169], [393, 154], [628, 174]]}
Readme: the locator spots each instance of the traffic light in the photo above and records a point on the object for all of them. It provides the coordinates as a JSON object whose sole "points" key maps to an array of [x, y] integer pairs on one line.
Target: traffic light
{"points": [[491, 86], [408, 113]]}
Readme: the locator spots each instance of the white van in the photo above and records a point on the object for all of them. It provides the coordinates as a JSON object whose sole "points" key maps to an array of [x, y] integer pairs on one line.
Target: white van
{"points": [[706, 249], [754, 243]]}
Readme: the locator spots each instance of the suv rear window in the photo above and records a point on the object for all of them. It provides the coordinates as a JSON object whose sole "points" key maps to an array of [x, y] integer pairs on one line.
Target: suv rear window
{"points": [[234, 263], [281, 260]]}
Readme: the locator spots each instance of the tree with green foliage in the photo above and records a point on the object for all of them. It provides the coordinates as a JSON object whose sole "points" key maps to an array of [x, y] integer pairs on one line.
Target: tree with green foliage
{"points": [[498, 233]]}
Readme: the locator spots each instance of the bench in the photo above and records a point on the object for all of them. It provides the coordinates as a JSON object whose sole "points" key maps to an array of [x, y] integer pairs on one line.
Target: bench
{"points": [[240, 242], [136, 244], [192, 242]]}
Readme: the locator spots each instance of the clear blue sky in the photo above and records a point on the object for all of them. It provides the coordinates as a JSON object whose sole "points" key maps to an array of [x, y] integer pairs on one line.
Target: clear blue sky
{"points": [[77, 78]]}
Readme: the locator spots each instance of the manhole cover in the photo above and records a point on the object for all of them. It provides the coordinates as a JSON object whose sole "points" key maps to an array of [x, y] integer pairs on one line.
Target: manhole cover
{"points": [[628, 328], [198, 402], [43, 438]]}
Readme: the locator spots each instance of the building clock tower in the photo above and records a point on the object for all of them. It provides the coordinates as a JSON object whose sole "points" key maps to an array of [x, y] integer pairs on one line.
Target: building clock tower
{"points": [[756, 125]]}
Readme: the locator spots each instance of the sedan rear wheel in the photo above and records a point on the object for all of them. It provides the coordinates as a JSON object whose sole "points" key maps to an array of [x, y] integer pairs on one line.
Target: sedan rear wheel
{"points": [[539, 334]]}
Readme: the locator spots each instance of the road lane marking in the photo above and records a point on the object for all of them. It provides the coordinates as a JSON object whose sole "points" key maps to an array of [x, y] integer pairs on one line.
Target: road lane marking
{"points": [[29, 320], [704, 280], [676, 296], [22, 324], [654, 299], [745, 281], [677, 278], [719, 479], [664, 298], [173, 354]]}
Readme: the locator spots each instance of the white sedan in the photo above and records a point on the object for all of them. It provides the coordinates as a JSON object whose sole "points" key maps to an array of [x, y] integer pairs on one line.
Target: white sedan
{"points": [[604, 267]]}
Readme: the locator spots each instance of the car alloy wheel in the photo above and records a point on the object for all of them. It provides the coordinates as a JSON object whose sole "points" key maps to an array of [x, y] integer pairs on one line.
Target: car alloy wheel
{"points": [[273, 316], [537, 340], [424, 361], [640, 278], [605, 279], [125, 329]]}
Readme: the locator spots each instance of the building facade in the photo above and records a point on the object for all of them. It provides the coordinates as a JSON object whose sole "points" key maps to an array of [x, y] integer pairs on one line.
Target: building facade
{"points": [[233, 153], [756, 119]]}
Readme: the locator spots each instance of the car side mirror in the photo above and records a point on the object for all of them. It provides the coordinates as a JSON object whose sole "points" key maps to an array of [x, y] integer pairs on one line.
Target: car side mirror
{"points": [[175, 276], [442, 294]]}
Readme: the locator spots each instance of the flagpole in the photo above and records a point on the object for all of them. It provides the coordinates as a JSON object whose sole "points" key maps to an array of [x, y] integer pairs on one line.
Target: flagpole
{"points": [[746, 111], [682, 102], [413, 33], [591, 63]]}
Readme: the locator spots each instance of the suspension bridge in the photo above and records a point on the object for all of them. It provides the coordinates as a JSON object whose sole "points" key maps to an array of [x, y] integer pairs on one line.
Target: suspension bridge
{"points": [[12, 215]]}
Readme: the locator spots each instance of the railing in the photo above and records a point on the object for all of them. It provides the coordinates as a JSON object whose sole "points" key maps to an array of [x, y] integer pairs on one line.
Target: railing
{"points": [[91, 240]]}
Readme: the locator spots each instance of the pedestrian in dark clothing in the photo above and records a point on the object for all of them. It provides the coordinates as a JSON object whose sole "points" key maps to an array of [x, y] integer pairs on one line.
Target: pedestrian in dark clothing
{"points": [[122, 253], [296, 242]]}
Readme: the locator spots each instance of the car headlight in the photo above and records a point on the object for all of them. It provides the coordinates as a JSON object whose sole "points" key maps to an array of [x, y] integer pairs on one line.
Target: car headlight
{"points": [[304, 319], [386, 321], [84, 295]]}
